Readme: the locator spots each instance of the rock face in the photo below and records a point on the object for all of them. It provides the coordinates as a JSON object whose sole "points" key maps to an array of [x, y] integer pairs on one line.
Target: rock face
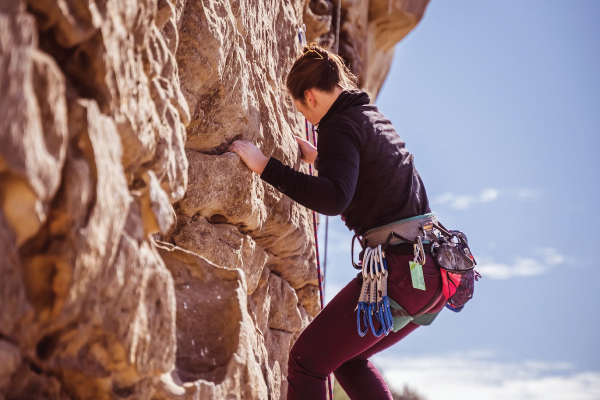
{"points": [[139, 260], [367, 34]]}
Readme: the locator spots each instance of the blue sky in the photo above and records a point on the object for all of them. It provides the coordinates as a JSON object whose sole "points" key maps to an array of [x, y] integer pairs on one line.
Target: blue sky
{"points": [[500, 104]]}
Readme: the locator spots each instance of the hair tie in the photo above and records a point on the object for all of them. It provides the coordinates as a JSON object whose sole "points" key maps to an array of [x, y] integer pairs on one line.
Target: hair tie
{"points": [[313, 47]]}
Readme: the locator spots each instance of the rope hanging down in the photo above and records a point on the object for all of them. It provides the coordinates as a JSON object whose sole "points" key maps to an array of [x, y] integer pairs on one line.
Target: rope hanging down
{"points": [[336, 49], [302, 39], [321, 278], [315, 227]]}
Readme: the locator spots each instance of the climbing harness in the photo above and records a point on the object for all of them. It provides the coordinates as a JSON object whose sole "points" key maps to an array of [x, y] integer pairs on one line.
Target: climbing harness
{"points": [[452, 255], [398, 232], [374, 301]]}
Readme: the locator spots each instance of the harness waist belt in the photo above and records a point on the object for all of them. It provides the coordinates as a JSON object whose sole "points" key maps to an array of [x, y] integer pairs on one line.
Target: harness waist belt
{"points": [[404, 230]]}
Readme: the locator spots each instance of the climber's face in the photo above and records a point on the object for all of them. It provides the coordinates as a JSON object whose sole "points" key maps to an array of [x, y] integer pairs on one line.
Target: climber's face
{"points": [[315, 105], [309, 108]]}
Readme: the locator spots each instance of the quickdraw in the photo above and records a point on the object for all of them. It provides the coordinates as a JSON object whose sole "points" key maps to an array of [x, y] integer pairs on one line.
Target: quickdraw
{"points": [[373, 300]]}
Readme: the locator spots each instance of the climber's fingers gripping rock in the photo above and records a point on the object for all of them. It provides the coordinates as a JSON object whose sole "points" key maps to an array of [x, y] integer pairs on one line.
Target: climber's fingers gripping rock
{"points": [[250, 155], [309, 152]]}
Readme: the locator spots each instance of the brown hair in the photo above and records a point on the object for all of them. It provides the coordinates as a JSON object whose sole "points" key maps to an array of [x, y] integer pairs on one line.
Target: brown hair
{"points": [[317, 68]]}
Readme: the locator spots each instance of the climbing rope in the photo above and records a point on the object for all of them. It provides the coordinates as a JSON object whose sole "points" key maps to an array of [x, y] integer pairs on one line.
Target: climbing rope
{"points": [[302, 39], [320, 276], [314, 134], [315, 227], [337, 26]]}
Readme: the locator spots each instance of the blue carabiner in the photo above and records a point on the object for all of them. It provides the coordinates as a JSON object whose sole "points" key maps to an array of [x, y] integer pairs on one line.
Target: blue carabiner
{"points": [[388, 313], [379, 332], [382, 317], [386, 301], [362, 307]]}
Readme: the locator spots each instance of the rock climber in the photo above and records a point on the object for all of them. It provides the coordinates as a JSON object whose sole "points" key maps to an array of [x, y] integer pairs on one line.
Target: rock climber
{"points": [[365, 174]]}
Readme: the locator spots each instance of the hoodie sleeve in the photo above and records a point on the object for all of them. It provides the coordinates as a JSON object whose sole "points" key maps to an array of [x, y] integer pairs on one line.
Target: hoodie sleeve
{"points": [[330, 192]]}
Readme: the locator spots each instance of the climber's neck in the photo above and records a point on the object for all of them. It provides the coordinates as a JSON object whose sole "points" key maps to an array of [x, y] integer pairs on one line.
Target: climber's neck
{"points": [[317, 103]]}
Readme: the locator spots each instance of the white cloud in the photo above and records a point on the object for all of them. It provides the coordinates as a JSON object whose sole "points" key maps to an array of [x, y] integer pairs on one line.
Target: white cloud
{"points": [[463, 202], [480, 377], [445, 198], [488, 195], [528, 194], [523, 266], [551, 255]]}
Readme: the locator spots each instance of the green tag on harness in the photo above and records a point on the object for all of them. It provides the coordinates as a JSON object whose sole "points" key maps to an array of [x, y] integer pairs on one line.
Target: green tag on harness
{"points": [[416, 273]]}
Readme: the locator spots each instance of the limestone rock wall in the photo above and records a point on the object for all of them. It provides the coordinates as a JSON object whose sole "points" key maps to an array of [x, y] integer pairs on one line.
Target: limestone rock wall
{"points": [[368, 33], [139, 259], [92, 134]]}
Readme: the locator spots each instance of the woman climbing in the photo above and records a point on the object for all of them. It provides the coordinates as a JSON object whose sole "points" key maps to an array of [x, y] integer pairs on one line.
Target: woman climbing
{"points": [[366, 175]]}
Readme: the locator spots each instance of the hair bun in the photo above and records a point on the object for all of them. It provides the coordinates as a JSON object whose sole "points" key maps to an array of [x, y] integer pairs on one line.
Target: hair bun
{"points": [[309, 71], [316, 52]]}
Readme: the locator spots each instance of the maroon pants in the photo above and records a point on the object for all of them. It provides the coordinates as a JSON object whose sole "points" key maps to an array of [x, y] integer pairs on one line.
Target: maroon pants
{"points": [[331, 342]]}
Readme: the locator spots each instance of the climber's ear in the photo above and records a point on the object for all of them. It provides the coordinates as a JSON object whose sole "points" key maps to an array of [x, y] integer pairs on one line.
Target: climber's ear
{"points": [[309, 98]]}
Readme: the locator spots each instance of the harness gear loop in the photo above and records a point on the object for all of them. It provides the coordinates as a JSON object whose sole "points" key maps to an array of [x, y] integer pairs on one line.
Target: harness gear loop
{"points": [[355, 265]]}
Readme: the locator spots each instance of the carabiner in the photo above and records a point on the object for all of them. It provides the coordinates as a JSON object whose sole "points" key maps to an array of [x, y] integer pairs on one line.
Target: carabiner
{"points": [[355, 265], [372, 264], [362, 307], [388, 313], [421, 250], [379, 332], [365, 262], [381, 259]]}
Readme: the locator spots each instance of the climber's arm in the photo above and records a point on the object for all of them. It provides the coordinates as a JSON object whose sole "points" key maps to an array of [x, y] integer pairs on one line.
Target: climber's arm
{"points": [[330, 192], [309, 152]]}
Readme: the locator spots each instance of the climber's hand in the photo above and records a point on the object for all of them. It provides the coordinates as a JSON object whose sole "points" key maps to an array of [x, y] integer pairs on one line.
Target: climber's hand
{"points": [[250, 155], [309, 152]]}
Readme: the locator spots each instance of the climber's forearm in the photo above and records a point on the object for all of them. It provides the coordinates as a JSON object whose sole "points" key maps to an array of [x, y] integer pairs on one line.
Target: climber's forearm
{"points": [[328, 196]]}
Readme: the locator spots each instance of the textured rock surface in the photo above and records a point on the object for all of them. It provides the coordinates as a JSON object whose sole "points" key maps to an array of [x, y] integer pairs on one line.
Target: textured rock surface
{"points": [[114, 120], [368, 32], [92, 133]]}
